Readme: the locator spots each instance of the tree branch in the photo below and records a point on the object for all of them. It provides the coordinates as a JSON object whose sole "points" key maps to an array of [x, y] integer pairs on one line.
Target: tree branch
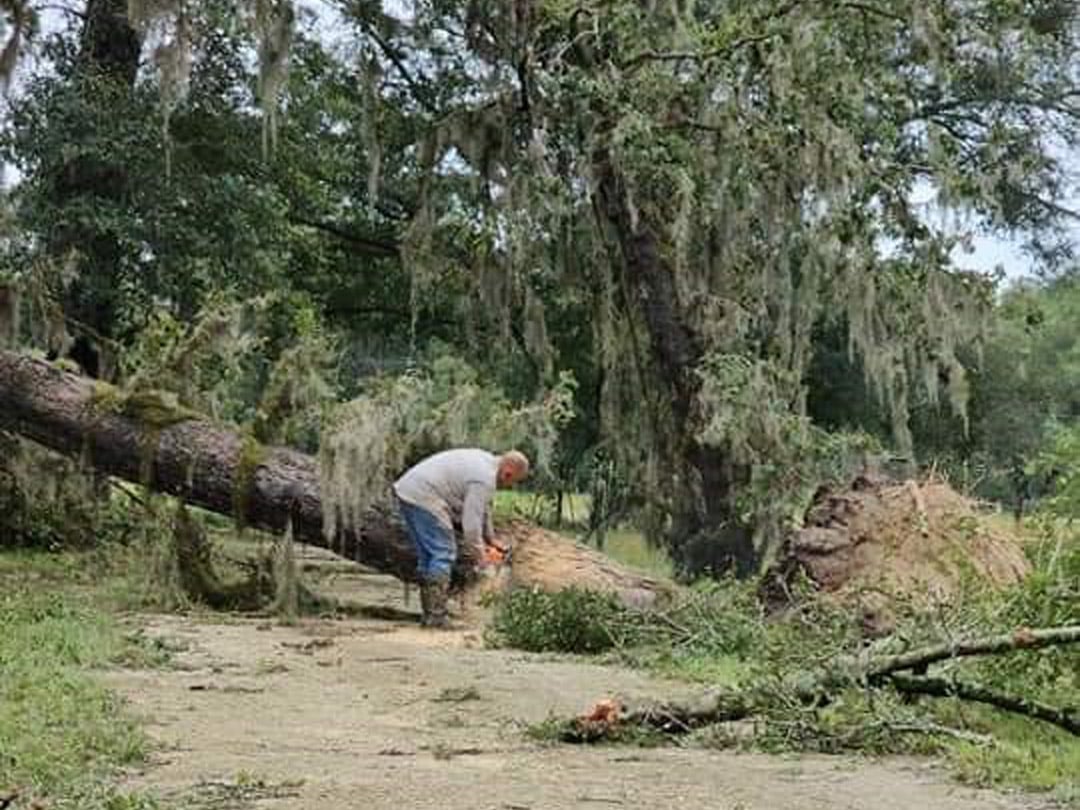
{"points": [[940, 687], [608, 719], [652, 55], [419, 92], [364, 244], [1054, 208], [1022, 639], [867, 8]]}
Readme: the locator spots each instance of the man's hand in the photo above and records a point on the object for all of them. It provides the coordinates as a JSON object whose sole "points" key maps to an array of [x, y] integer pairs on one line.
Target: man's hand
{"points": [[493, 554]]}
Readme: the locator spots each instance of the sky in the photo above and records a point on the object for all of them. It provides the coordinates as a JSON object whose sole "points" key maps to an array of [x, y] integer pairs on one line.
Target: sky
{"points": [[990, 252], [993, 252]]}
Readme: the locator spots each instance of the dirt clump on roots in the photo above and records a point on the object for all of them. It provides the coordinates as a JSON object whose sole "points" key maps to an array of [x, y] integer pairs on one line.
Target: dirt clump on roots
{"points": [[884, 547]]}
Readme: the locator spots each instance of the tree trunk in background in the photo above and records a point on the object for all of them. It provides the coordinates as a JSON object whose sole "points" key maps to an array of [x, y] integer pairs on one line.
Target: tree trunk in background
{"points": [[107, 65], [707, 536]]}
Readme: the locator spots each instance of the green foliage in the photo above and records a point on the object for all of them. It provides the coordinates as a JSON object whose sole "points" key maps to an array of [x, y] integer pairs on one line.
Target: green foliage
{"points": [[1059, 464], [573, 621], [398, 420], [789, 457], [1028, 755], [49, 502], [1049, 597], [714, 619], [198, 362], [60, 731], [300, 383]]}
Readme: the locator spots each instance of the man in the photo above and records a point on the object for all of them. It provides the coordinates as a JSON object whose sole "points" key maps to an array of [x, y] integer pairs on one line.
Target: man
{"points": [[454, 486]]}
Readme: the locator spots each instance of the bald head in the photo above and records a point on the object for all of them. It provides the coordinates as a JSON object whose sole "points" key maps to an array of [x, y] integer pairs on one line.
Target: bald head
{"points": [[513, 467]]}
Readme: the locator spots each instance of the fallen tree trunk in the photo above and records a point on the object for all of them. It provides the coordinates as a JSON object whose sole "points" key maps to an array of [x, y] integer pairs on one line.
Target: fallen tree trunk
{"points": [[180, 453]]}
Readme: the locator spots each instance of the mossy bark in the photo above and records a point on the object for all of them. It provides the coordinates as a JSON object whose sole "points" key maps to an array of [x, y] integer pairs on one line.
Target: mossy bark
{"points": [[202, 463]]}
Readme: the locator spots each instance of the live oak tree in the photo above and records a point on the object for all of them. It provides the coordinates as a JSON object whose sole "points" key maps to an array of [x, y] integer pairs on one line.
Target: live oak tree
{"points": [[717, 179]]}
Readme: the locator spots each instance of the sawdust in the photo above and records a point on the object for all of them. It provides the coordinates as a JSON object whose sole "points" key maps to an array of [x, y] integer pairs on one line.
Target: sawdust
{"points": [[884, 545], [551, 562]]}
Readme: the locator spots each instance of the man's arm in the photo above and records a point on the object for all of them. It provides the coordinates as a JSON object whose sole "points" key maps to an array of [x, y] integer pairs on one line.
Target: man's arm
{"points": [[474, 514]]}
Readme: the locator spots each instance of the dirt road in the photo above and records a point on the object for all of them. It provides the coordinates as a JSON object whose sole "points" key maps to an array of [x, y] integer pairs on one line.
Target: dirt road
{"points": [[374, 714]]}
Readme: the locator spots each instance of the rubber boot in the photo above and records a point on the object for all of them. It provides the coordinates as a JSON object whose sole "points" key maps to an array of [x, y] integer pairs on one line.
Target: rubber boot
{"points": [[425, 602], [437, 612]]}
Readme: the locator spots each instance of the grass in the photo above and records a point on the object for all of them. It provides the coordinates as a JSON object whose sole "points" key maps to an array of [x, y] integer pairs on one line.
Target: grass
{"points": [[715, 669], [629, 547], [62, 734], [1026, 753], [540, 508]]}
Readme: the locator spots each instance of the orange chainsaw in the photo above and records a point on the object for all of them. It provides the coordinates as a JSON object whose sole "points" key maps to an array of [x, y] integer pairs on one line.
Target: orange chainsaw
{"points": [[495, 554]]}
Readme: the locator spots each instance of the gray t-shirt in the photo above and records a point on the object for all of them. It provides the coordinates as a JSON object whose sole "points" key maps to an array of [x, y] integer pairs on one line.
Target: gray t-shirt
{"points": [[454, 485]]}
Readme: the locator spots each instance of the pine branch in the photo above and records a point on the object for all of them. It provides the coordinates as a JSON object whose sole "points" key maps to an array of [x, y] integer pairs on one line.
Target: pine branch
{"points": [[940, 687]]}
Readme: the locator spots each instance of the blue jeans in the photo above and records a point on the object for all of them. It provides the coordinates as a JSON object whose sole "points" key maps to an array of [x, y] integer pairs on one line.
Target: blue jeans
{"points": [[436, 548]]}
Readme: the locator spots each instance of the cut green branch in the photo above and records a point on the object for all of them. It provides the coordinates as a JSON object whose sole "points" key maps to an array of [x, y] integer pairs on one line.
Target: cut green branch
{"points": [[940, 687], [1021, 639]]}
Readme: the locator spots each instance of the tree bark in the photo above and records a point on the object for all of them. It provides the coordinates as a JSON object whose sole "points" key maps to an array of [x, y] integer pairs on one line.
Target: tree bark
{"points": [[210, 466], [200, 462], [1022, 639], [708, 536]]}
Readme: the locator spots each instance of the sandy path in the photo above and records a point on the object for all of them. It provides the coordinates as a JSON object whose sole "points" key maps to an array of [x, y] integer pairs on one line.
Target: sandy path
{"points": [[355, 714]]}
